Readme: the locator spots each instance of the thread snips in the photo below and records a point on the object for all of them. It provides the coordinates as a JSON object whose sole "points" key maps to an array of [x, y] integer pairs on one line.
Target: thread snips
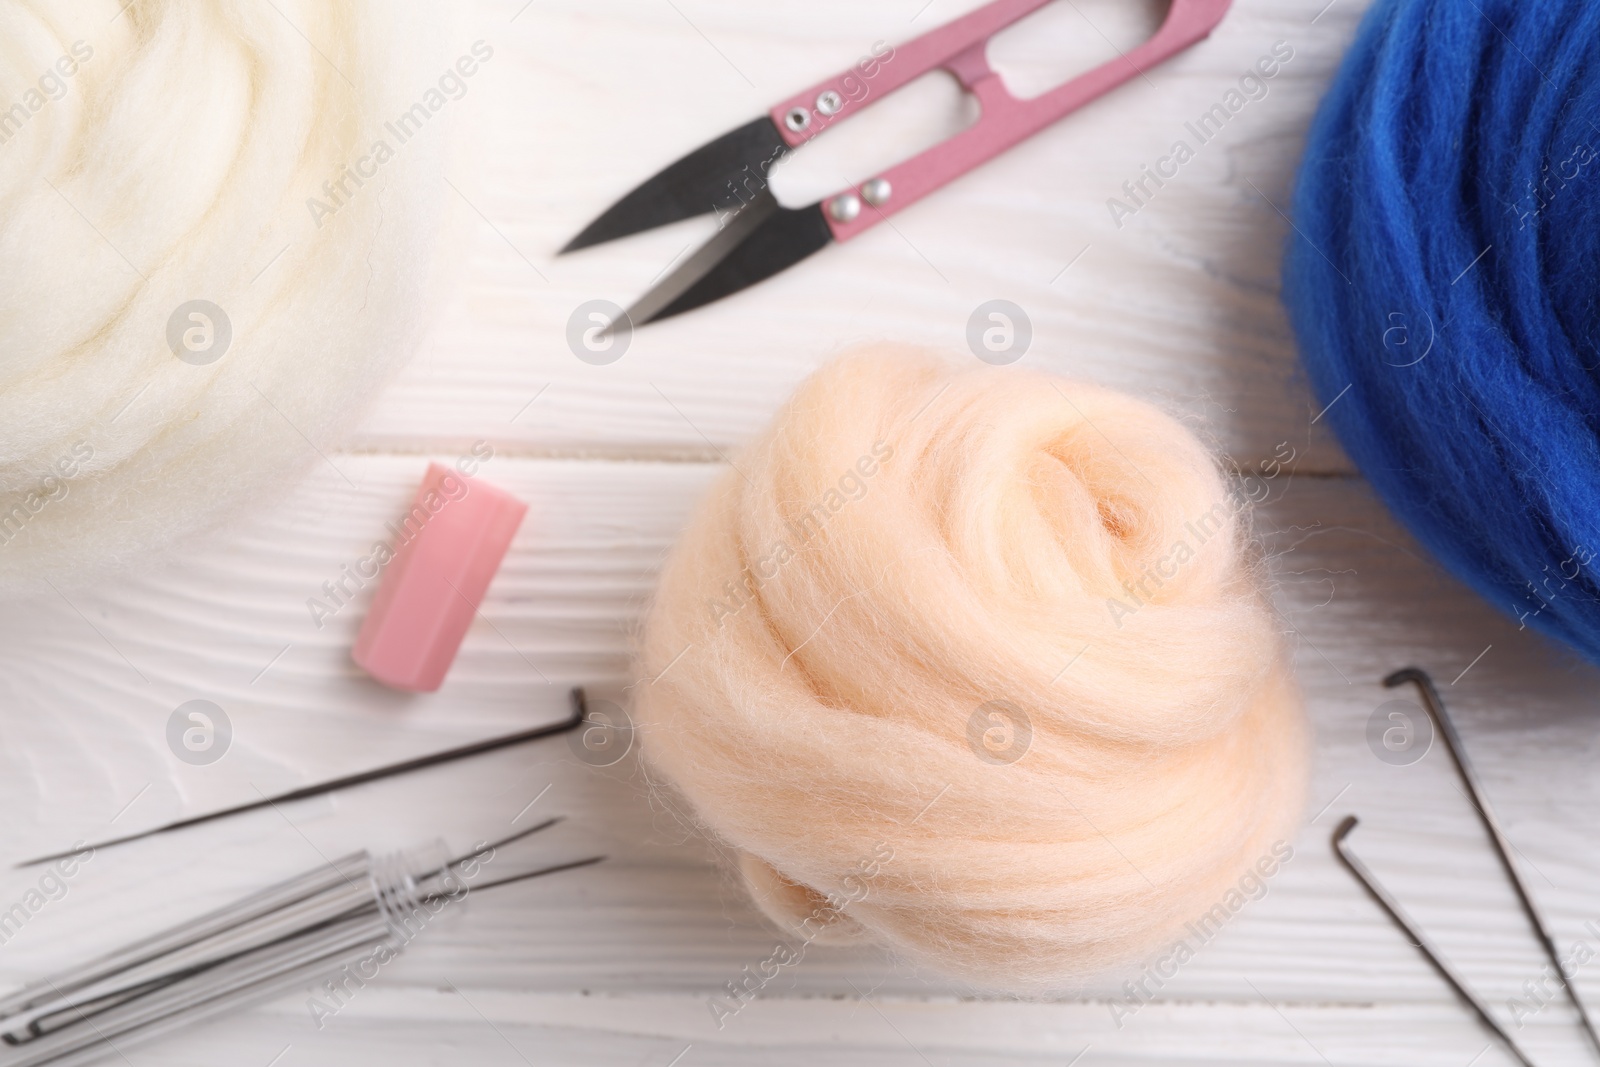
{"points": [[759, 237]]}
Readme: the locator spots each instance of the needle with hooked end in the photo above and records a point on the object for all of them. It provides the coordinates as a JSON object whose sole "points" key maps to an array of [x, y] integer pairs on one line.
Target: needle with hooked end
{"points": [[1392, 908], [579, 712], [1497, 838]]}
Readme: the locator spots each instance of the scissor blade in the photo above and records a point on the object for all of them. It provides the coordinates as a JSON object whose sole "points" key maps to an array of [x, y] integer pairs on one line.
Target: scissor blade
{"points": [[760, 241], [719, 176]]}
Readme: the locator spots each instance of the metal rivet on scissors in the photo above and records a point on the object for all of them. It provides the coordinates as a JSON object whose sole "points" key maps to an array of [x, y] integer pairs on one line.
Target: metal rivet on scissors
{"points": [[759, 237]]}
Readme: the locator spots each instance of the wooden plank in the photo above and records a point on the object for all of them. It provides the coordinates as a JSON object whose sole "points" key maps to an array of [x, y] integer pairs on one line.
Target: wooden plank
{"points": [[446, 1026]]}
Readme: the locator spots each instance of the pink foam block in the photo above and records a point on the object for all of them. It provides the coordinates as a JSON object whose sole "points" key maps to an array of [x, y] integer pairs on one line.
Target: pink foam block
{"points": [[447, 550]]}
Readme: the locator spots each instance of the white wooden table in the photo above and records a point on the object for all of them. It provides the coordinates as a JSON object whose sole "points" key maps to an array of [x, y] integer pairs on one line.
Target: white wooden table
{"points": [[615, 964]]}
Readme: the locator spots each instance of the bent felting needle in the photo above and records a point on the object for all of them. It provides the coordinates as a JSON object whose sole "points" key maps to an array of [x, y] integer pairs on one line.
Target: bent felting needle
{"points": [[1497, 838], [1408, 926], [579, 713], [358, 911], [1502, 849]]}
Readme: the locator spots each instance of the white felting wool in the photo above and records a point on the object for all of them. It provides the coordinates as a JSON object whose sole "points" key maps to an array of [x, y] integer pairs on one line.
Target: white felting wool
{"points": [[174, 152], [975, 664]]}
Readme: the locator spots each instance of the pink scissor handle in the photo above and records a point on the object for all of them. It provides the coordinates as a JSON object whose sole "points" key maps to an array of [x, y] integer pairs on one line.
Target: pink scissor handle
{"points": [[961, 47]]}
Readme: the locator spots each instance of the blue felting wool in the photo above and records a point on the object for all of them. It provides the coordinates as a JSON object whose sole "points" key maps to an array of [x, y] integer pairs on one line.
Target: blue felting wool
{"points": [[1443, 287]]}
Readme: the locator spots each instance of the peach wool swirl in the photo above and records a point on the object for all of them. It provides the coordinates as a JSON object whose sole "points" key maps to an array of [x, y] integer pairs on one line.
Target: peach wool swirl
{"points": [[974, 664]]}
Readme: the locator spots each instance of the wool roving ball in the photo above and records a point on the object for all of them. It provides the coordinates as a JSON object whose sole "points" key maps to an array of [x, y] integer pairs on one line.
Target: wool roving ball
{"points": [[1442, 284], [216, 220], [973, 663]]}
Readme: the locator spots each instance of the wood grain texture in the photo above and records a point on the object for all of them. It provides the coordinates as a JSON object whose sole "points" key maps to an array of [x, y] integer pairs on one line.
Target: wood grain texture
{"points": [[645, 941], [617, 964]]}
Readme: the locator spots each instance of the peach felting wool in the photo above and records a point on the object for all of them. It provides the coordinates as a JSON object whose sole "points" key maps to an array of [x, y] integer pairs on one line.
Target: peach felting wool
{"points": [[973, 664], [159, 153]]}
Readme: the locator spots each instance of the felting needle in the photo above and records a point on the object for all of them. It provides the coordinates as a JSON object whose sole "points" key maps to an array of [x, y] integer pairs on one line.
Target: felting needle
{"points": [[1392, 908], [241, 966], [1491, 826], [580, 711], [335, 891]]}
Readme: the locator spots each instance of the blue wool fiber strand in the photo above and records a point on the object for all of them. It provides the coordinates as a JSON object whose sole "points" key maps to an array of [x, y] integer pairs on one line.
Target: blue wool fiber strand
{"points": [[1442, 283]]}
